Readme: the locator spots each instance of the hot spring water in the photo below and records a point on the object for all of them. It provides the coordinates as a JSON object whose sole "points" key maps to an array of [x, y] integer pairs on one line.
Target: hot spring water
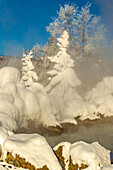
{"points": [[88, 131]]}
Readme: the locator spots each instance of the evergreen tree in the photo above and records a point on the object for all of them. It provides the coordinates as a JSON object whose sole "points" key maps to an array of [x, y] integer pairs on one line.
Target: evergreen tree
{"points": [[28, 75], [87, 24], [82, 26], [66, 21], [63, 78]]}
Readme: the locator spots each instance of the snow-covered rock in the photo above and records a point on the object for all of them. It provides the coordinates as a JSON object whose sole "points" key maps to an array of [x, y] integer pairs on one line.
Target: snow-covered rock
{"points": [[109, 167], [34, 148], [93, 156], [6, 166]]}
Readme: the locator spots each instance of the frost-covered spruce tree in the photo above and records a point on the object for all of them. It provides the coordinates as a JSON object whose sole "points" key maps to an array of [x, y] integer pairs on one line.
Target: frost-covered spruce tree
{"points": [[28, 75], [88, 29], [66, 20], [63, 78]]}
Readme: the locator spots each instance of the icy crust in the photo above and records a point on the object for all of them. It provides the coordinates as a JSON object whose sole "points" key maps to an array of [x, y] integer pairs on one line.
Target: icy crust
{"points": [[93, 156], [102, 97], [33, 147]]}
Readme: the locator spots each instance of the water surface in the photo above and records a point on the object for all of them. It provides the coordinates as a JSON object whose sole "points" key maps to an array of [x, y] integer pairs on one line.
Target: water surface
{"points": [[101, 131], [87, 131]]}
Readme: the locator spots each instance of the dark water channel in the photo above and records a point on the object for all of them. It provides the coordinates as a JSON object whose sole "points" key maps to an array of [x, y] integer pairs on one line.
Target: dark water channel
{"points": [[88, 131]]}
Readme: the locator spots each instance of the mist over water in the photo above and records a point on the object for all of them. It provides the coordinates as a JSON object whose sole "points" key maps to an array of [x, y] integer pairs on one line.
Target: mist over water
{"points": [[87, 131], [90, 71], [101, 131]]}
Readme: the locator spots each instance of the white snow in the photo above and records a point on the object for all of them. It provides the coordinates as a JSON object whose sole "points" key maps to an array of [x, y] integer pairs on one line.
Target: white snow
{"points": [[33, 147], [9, 75], [109, 167], [19, 104], [102, 96], [63, 78], [93, 155]]}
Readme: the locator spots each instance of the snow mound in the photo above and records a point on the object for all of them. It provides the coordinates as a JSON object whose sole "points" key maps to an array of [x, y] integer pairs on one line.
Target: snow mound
{"points": [[34, 148], [9, 75], [102, 96], [80, 108], [18, 104], [93, 155]]}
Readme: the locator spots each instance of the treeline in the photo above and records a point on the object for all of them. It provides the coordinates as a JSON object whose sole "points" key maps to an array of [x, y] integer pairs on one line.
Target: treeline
{"points": [[86, 33]]}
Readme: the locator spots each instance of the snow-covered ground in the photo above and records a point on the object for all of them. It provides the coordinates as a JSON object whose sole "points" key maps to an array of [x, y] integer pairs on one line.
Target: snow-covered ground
{"points": [[35, 150]]}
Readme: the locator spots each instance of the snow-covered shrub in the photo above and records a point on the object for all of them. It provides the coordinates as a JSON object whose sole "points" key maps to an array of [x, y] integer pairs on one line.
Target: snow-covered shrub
{"points": [[102, 96], [28, 75]]}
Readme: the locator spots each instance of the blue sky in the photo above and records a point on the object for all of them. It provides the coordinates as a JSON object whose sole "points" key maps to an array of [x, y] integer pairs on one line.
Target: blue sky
{"points": [[23, 22]]}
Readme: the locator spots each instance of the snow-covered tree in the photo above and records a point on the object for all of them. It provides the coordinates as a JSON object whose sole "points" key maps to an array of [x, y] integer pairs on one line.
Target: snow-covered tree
{"points": [[88, 29], [37, 50], [28, 75], [82, 26], [51, 48], [63, 78], [66, 21]]}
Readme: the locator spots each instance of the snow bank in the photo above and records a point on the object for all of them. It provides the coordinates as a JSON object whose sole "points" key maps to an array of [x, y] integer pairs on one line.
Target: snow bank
{"points": [[93, 155], [102, 96], [34, 148], [18, 104], [80, 108]]}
